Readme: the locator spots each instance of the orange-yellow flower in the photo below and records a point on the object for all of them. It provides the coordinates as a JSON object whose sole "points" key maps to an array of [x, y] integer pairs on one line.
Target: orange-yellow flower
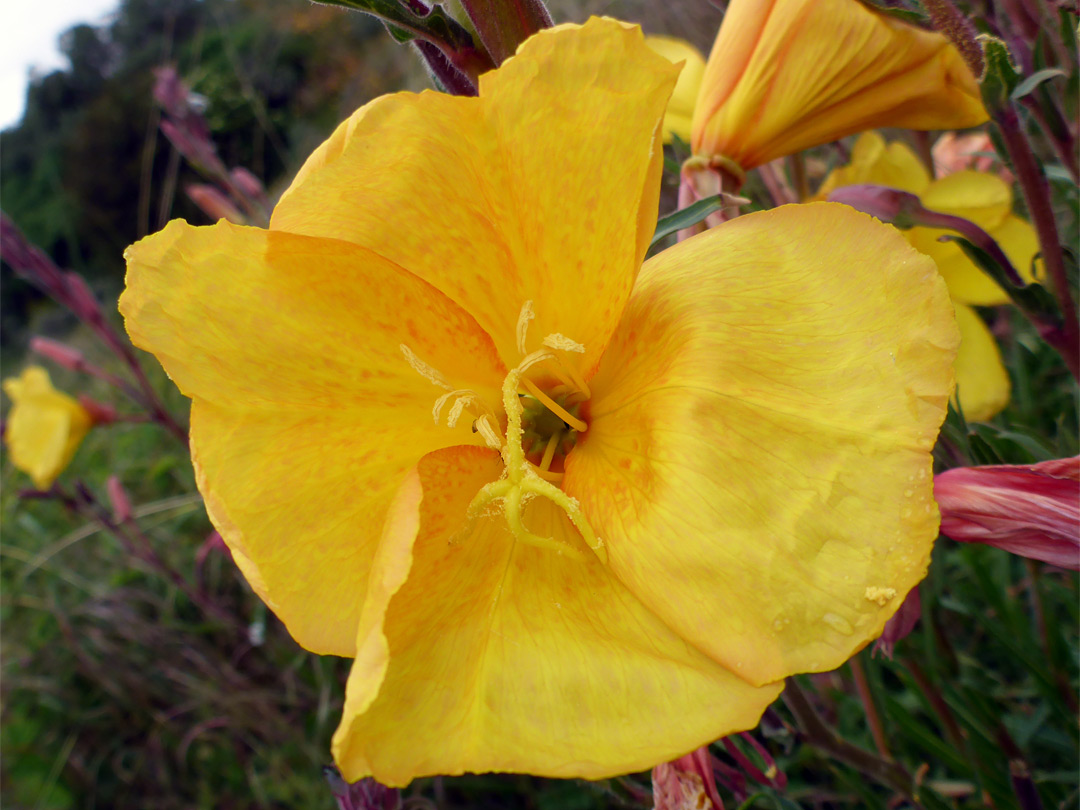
{"points": [[45, 426], [786, 75], [648, 493], [985, 199]]}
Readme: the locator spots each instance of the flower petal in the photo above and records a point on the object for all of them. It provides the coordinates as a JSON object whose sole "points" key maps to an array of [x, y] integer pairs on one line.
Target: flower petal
{"points": [[785, 75], [757, 459], [982, 384], [306, 412], [874, 161], [533, 191], [494, 655]]}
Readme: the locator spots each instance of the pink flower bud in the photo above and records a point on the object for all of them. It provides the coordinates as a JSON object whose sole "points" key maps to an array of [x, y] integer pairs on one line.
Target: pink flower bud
{"points": [[215, 204], [1031, 510], [83, 302], [901, 624], [954, 153], [887, 204], [247, 182], [118, 497], [59, 353]]}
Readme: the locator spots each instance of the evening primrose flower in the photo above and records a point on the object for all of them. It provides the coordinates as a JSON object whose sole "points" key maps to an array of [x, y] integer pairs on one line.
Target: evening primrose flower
{"points": [[982, 383], [570, 514], [786, 75], [45, 426]]}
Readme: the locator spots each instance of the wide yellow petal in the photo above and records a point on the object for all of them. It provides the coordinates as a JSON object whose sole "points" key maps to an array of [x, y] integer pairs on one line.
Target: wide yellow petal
{"points": [[477, 653], [680, 109], [532, 192], [982, 384], [758, 454], [785, 75], [44, 427], [306, 409], [967, 283], [873, 161]]}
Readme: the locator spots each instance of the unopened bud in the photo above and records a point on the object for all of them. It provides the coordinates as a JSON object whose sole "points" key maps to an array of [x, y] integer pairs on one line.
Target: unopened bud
{"points": [[118, 498], [247, 182], [214, 204], [82, 299], [1030, 510], [59, 353], [892, 205]]}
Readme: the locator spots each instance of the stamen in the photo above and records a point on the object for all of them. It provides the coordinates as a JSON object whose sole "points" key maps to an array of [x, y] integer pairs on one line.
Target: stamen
{"points": [[423, 369], [549, 451], [524, 317], [563, 343], [554, 407], [489, 431]]}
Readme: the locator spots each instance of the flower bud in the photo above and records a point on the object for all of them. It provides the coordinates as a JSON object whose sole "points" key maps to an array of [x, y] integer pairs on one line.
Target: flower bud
{"points": [[1030, 510], [214, 204], [59, 353]]}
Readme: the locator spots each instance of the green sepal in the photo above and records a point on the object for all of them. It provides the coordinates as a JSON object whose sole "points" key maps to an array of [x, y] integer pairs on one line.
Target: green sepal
{"points": [[1000, 77]]}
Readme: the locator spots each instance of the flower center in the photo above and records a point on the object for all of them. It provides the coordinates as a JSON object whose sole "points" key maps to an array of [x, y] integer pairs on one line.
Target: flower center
{"points": [[543, 418]]}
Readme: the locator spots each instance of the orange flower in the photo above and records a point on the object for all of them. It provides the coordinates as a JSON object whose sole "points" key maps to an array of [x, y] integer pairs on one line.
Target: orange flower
{"points": [[786, 75]]}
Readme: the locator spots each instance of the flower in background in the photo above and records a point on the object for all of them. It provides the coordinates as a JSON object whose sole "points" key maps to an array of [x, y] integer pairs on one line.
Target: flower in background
{"points": [[982, 383], [786, 75], [953, 153], [680, 108], [1031, 510], [45, 426], [649, 492]]}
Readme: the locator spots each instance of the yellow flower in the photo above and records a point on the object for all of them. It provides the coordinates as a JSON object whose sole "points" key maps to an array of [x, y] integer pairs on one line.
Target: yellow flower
{"points": [[680, 109], [985, 199], [786, 75], [44, 427], [649, 492]]}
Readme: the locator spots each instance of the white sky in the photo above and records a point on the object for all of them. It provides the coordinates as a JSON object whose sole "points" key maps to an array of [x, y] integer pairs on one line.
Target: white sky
{"points": [[28, 40]]}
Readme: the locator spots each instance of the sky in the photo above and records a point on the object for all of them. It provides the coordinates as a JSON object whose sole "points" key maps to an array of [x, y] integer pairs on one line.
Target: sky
{"points": [[28, 40]]}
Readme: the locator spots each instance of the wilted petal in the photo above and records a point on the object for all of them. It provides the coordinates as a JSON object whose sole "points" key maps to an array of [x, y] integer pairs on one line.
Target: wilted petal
{"points": [[512, 196], [785, 75], [306, 412], [1030, 510], [479, 653], [757, 459]]}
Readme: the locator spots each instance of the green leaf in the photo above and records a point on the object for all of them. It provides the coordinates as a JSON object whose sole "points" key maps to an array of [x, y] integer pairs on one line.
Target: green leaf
{"points": [[1033, 81], [688, 217]]}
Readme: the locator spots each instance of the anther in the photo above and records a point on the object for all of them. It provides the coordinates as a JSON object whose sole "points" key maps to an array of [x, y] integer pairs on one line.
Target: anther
{"points": [[423, 369], [524, 317]]}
